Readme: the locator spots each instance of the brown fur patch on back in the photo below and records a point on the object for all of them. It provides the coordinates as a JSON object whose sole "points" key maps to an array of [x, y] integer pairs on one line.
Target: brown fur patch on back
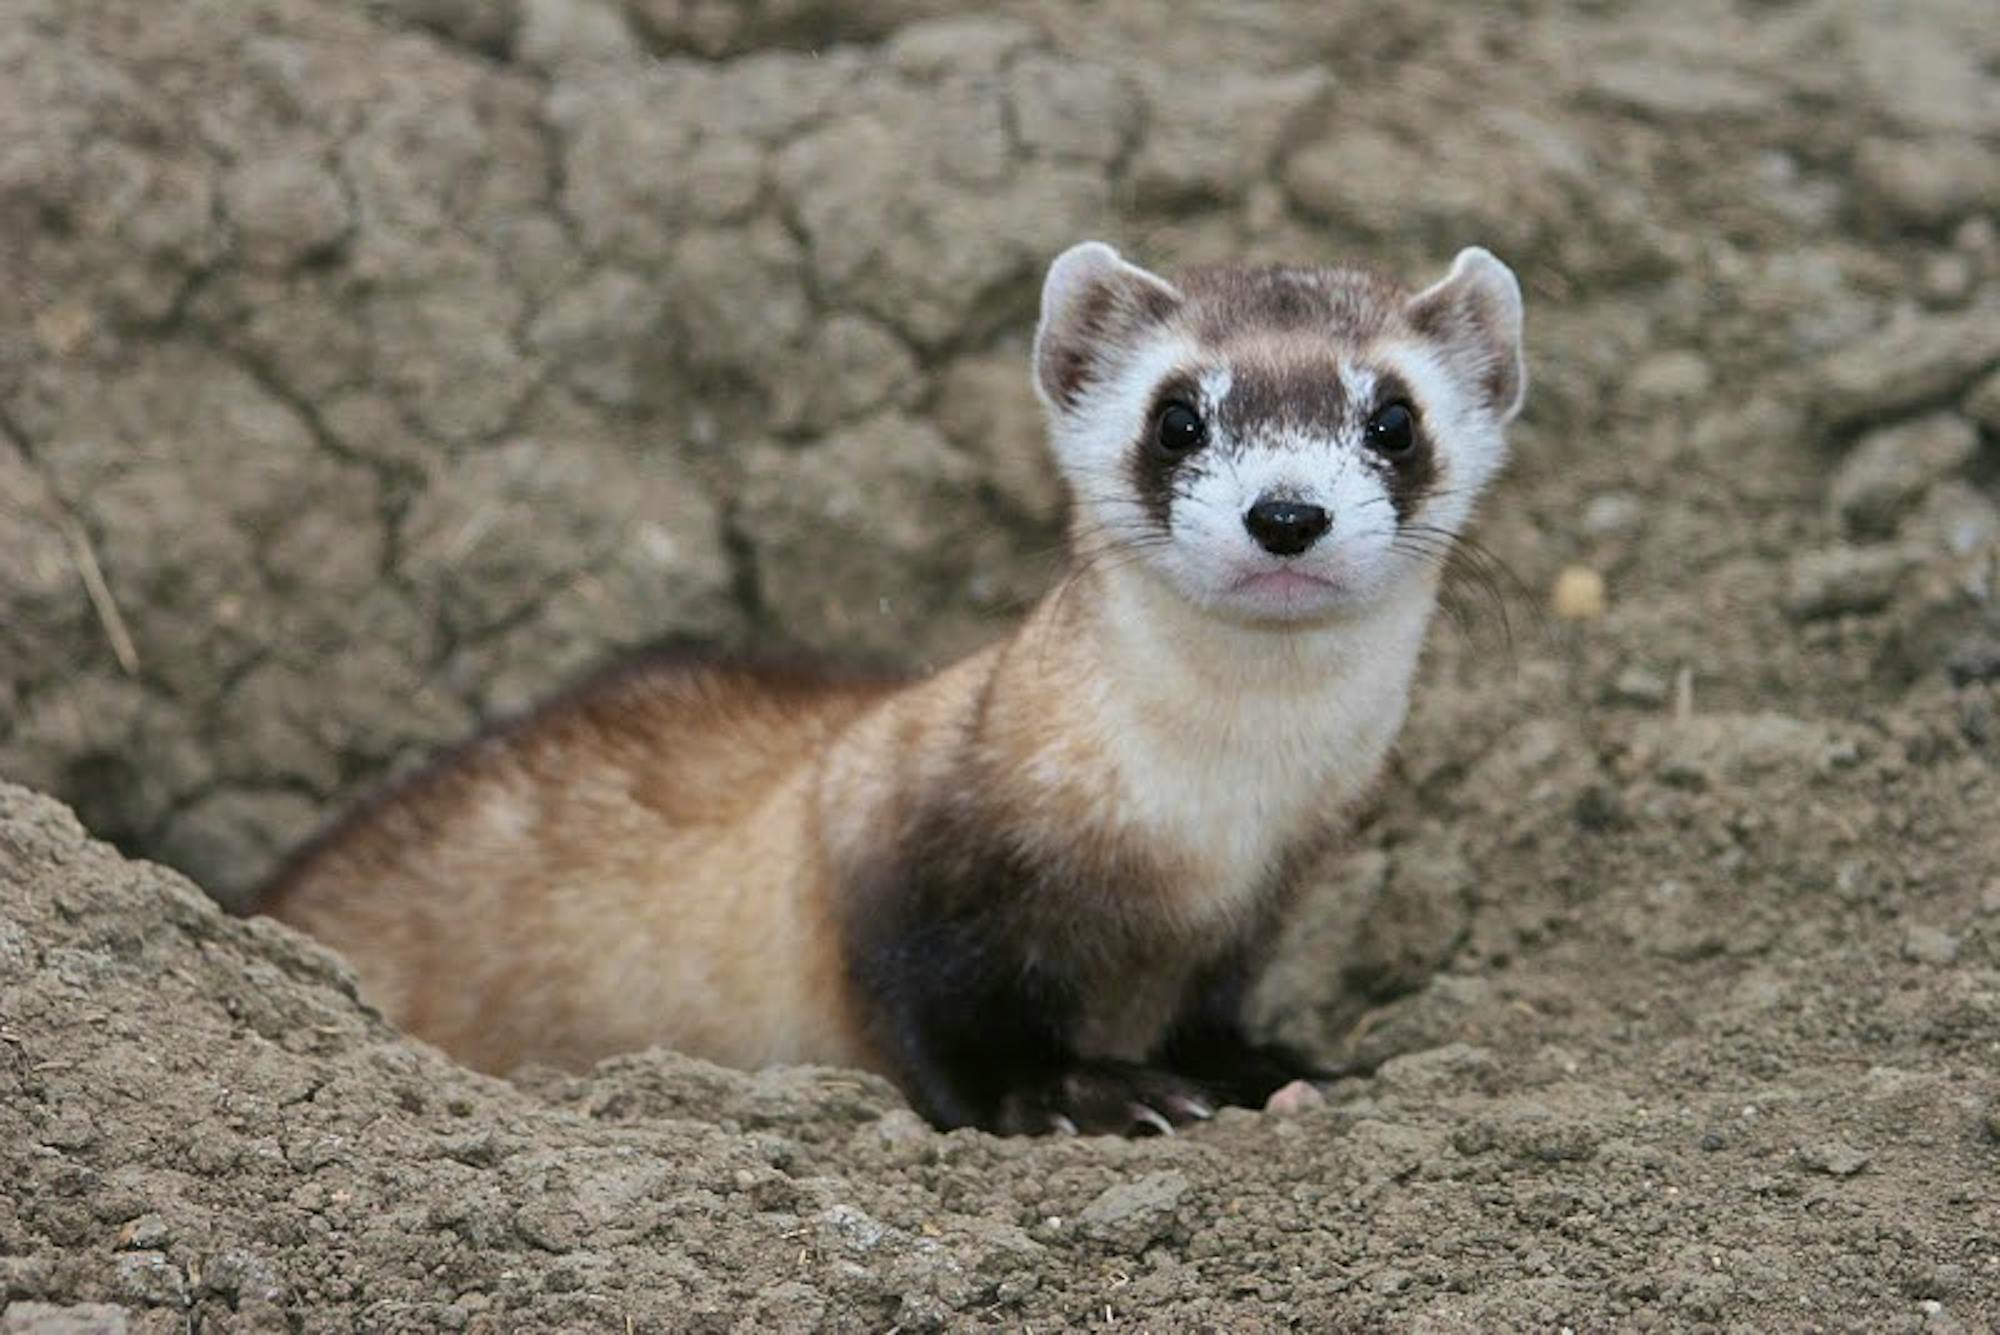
{"points": [[627, 865], [619, 705]]}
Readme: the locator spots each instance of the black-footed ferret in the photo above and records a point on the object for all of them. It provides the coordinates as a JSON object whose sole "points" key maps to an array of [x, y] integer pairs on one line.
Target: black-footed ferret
{"points": [[1033, 887]]}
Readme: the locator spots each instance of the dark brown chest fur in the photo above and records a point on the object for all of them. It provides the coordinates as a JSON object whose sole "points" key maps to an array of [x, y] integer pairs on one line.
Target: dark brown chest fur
{"points": [[984, 950]]}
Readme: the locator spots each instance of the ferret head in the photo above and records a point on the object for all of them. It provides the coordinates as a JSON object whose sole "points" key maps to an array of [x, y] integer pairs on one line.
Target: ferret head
{"points": [[1277, 444]]}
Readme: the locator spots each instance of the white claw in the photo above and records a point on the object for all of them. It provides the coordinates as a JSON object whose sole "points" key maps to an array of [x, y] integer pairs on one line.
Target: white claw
{"points": [[1062, 1126], [1198, 1109], [1143, 1116]]}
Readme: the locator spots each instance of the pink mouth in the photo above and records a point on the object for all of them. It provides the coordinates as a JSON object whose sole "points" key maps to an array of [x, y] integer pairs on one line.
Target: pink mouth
{"points": [[1282, 585]]}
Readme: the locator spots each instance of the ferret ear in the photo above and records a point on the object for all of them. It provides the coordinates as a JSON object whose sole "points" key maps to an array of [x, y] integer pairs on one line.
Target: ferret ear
{"points": [[1093, 304], [1474, 315]]}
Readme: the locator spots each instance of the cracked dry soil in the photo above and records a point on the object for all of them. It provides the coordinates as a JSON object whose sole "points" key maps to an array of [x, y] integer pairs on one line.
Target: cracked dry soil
{"points": [[367, 368]]}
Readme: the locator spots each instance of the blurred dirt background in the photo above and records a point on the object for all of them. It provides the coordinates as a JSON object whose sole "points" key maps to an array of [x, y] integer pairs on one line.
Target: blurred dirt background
{"points": [[370, 368]]}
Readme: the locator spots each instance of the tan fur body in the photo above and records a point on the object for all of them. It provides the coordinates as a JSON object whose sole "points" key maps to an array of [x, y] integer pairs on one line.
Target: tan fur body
{"points": [[635, 866], [1034, 887], [657, 860]]}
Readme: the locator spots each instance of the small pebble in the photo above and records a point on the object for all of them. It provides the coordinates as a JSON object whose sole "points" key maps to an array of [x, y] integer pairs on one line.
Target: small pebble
{"points": [[1667, 377], [1611, 512], [1922, 183], [560, 33], [1977, 237], [1976, 722], [1640, 686], [898, 1126], [1930, 945], [1837, 581], [1958, 517], [1888, 471], [1948, 279], [1909, 362], [1579, 594], [147, 1233], [1134, 1213], [1835, 1157], [1974, 657], [65, 327], [1295, 1098], [1982, 402]]}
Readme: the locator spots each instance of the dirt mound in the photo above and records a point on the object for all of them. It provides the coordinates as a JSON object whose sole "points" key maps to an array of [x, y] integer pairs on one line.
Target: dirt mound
{"points": [[366, 369], [198, 1123]]}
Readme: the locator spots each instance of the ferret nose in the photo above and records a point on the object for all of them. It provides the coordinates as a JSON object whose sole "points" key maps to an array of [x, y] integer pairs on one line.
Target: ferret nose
{"points": [[1286, 528]]}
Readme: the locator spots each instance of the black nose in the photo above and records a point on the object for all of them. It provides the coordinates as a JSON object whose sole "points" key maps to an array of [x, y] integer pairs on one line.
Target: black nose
{"points": [[1286, 528]]}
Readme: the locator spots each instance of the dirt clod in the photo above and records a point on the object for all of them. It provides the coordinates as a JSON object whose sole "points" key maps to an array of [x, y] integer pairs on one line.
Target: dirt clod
{"points": [[1834, 1158]]}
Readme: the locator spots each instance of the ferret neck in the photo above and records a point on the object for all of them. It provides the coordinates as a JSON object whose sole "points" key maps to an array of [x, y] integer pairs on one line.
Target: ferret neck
{"points": [[1147, 639], [1225, 740]]}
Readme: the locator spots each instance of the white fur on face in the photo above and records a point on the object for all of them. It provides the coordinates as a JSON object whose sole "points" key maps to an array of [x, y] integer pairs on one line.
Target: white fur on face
{"points": [[1114, 337], [1093, 442], [1471, 445], [1206, 552], [1214, 559]]}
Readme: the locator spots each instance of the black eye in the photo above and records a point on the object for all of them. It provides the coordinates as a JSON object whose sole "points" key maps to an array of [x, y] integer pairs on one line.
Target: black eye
{"points": [[1393, 429], [1181, 429]]}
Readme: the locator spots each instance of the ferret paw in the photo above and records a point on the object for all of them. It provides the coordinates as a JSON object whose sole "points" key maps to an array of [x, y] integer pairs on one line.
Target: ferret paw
{"points": [[1248, 1074], [1104, 1098]]}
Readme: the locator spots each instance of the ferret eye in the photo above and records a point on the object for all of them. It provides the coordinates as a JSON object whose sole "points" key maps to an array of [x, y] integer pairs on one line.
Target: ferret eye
{"points": [[1181, 429], [1393, 429]]}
